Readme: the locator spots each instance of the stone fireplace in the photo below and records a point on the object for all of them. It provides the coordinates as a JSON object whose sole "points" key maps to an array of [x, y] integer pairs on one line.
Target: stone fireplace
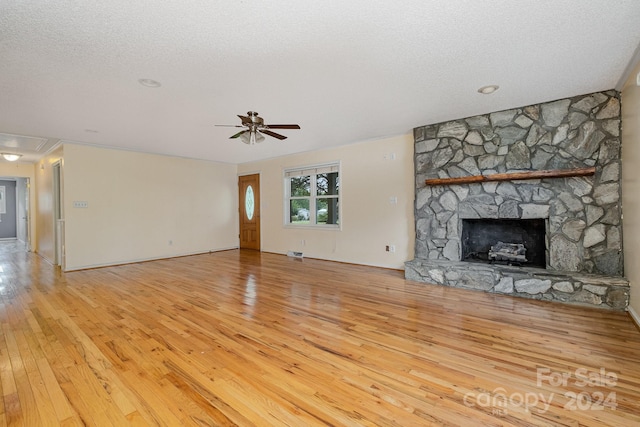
{"points": [[571, 226]]}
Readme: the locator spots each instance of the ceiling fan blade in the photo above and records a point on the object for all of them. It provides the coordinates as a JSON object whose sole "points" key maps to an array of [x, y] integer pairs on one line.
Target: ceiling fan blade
{"points": [[245, 119], [273, 134], [283, 126], [230, 126], [238, 134]]}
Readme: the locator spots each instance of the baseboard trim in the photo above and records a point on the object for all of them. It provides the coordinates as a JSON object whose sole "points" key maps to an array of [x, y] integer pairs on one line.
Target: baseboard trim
{"points": [[135, 261], [634, 316], [384, 267]]}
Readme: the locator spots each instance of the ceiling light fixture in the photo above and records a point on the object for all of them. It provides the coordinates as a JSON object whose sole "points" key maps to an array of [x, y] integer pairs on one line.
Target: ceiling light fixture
{"points": [[11, 157], [254, 128], [149, 83], [488, 90], [252, 137]]}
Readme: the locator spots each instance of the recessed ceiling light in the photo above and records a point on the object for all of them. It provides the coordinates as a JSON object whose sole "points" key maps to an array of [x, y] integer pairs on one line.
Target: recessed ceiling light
{"points": [[487, 90], [149, 82]]}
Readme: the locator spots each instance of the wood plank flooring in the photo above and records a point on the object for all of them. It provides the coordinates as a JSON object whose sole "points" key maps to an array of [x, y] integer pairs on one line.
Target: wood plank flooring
{"points": [[249, 339]]}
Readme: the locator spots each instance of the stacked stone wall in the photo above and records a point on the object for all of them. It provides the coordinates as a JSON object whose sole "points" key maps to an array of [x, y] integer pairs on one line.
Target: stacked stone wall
{"points": [[583, 213]]}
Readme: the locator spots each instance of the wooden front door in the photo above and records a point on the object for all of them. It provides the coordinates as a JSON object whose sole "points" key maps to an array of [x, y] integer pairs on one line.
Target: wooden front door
{"points": [[249, 202]]}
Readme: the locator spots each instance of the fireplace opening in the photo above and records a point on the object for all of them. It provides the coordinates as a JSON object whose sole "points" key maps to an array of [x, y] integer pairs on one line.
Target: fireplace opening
{"points": [[505, 241]]}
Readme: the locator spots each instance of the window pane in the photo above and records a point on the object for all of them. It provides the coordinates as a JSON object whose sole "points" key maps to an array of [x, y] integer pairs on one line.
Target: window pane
{"points": [[301, 186], [299, 211], [249, 203], [328, 184], [327, 210]]}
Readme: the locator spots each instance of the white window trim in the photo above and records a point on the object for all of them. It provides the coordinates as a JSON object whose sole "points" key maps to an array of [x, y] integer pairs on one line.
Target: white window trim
{"points": [[311, 170]]}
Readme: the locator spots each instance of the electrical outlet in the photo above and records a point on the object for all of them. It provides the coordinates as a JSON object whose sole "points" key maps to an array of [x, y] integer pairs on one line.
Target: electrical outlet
{"points": [[392, 248]]}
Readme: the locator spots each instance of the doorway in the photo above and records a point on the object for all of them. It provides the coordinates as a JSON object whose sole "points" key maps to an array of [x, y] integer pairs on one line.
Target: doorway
{"points": [[58, 222], [8, 209], [14, 214], [249, 203]]}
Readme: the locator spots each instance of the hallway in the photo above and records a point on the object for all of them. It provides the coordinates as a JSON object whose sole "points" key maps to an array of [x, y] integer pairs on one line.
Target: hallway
{"points": [[12, 247]]}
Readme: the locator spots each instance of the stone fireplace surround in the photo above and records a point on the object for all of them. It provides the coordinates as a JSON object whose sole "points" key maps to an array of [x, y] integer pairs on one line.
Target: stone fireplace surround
{"points": [[583, 217]]}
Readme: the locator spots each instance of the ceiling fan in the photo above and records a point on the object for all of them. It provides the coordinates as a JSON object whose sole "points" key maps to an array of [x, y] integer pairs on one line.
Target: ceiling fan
{"points": [[254, 128]]}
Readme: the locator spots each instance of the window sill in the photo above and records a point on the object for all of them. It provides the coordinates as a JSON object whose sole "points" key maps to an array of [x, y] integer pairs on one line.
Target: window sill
{"points": [[313, 227]]}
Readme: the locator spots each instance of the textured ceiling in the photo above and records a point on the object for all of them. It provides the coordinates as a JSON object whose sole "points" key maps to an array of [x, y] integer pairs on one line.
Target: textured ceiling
{"points": [[345, 71]]}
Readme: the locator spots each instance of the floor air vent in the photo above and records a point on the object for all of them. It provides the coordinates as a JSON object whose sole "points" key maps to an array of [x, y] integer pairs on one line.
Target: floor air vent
{"points": [[295, 254]]}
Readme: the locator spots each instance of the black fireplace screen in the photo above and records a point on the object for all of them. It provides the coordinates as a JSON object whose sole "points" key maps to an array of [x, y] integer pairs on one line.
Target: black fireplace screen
{"points": [[511, 241]]}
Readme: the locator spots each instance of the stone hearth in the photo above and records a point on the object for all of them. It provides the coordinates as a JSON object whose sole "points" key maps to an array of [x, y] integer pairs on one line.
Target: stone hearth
{"points": [[527, 282], [582, 215]]}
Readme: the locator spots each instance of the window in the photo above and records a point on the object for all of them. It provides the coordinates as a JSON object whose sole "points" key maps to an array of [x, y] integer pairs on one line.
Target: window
{"points": [[312, 196], [249, 203]]}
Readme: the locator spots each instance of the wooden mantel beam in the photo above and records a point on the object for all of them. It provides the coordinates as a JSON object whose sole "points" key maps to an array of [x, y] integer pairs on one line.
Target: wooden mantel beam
{"points": [[513, 176]]}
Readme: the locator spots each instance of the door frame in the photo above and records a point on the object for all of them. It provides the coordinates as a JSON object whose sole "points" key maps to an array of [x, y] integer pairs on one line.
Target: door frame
{"points": [[25, 213], [58, 216]]}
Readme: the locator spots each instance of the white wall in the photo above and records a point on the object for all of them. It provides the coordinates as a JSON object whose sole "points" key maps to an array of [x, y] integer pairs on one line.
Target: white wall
{"points": [[631, 188], [369, 177], [144, 206]]}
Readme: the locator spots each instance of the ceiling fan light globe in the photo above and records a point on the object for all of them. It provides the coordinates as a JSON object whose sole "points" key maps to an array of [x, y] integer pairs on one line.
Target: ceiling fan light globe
{"points": [[259, 137], [246, 137]]}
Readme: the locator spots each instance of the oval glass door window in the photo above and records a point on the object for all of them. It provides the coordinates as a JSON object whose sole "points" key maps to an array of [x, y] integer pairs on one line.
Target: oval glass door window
{"points": [[249, 204]]}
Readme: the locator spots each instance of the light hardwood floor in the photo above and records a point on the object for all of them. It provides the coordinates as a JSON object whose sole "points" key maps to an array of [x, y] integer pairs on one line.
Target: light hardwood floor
{"points": [[243, 338]]}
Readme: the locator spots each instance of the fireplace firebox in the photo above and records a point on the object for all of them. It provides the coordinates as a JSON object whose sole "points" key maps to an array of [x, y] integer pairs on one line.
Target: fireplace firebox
{"points": [[507, 241]]}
